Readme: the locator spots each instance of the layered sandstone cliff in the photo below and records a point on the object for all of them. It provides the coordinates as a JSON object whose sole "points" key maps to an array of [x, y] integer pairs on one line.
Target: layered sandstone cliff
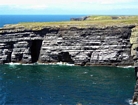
{"points": [[91, 45]]}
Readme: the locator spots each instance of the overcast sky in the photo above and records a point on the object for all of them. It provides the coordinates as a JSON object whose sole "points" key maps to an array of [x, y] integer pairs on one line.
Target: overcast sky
{"points": [[88, 7]]}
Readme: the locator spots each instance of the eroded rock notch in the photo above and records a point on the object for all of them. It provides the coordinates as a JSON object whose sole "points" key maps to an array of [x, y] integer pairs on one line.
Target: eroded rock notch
{"points": [[65, 57]]}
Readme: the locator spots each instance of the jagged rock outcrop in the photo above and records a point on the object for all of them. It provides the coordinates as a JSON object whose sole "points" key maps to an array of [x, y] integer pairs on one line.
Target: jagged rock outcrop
{"points": [[134, 54], [81, 46], [79, 19]]}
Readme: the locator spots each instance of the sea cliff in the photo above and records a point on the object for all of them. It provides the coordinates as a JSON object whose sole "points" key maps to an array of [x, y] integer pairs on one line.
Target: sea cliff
{"points": [[91, 45]]}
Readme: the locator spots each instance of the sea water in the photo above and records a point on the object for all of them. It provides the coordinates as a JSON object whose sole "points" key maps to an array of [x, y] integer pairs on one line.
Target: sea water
{"points": [[14, 19], [65, 85]]}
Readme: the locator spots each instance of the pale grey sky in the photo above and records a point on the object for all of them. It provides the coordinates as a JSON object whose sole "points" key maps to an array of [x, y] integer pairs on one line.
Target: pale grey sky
{"points": [[97, 7]]}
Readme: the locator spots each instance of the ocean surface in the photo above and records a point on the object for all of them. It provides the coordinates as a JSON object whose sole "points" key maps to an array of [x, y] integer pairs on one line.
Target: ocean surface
{"points": [[61, 84], [14, 19], [65, 85]]}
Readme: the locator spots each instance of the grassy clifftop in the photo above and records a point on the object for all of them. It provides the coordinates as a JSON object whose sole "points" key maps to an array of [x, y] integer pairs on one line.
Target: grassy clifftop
{"points": [[97, 21]]}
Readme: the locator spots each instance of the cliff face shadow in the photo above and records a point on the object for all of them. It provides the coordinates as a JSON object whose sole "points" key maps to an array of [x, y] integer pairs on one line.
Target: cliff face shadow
{"points": [[65, 57], [35, 50]]}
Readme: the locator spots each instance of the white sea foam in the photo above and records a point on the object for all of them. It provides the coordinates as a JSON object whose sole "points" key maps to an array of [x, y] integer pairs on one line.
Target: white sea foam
{"points": [[58, 63], [125, 66], [85, 72], [11, 63], [131, 103], [29, 64], [91, 75]]}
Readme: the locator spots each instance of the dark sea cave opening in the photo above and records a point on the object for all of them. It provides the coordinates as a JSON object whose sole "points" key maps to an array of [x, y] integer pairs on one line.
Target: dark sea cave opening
{"points": [[65, 57], [35, 50]]}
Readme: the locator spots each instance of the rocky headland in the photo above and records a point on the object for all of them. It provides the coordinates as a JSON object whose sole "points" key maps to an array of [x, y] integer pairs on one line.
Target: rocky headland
{"points": [[103, 40], [97, 40]]}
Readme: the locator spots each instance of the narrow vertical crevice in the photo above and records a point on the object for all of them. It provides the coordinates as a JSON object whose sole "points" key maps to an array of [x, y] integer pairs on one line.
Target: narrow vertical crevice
{"points": [[35, 50], [10, 49]]}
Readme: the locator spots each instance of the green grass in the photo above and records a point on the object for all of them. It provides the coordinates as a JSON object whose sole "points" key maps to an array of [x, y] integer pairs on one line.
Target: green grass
{"points": [[96, 21], [93, 18]]}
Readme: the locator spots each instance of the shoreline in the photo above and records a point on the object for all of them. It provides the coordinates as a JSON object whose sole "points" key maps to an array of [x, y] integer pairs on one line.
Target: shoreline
{"points": [[66, 64]]}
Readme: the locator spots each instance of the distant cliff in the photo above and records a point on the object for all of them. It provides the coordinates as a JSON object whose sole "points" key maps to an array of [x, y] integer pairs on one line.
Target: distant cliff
{"points": [[79, 19], [81, 46]]}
